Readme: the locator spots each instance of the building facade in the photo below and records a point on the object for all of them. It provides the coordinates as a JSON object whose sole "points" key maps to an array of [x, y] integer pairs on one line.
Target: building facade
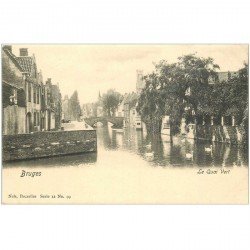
{"points": [[37, 108], [140, 84]]}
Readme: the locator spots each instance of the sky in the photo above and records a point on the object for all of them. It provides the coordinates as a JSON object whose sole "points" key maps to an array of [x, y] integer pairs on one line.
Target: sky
{"points": [[93, 68]]}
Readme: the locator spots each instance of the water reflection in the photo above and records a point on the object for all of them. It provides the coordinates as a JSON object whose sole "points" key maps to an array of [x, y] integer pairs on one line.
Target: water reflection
{"points": [[158, 150], [176, 151]]}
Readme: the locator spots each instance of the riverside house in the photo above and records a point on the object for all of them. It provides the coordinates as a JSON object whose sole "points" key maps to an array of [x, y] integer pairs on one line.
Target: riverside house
{"points": [[29, 104]]}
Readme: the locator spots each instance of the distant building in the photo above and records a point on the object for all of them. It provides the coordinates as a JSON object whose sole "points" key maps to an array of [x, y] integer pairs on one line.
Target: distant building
{"points": [[89, 110], [140, 84], [120, 109], [131, 117], [223, 77], [99, 107], [99, 111], [65, 108], [57, 105]]}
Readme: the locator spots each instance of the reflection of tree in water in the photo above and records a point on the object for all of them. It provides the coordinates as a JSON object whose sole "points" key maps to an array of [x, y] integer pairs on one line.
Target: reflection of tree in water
{"points": [[172, 154], [243, 155], [165, 152], [106, 138], [232, 157], [132, 139], [219, 153], [156, 147], [176, 153]]}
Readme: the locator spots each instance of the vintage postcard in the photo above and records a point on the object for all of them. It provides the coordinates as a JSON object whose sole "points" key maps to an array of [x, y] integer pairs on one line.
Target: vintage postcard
{"points": [[125, 124]]}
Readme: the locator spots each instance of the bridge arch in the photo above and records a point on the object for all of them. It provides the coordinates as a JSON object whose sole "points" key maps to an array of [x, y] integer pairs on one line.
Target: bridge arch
{"points": [[105, 121]]}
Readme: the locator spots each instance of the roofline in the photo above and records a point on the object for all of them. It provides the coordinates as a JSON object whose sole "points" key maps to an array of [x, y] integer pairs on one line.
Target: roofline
{"points": [[31, 57], [12, 85], [13, 58]]}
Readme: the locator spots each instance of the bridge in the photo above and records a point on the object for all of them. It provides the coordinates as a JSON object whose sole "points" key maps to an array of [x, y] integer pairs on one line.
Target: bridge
{"points": [[116, 121]]}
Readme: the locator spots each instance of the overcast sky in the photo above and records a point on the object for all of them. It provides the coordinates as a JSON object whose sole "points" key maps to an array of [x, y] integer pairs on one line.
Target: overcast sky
{"points": [[93, 68]]}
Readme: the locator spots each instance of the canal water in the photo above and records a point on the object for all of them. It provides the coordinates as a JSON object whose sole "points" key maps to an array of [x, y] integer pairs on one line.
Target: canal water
{"points": [[132, 167]]}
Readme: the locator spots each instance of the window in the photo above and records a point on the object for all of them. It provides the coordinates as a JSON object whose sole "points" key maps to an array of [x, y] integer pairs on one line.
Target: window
{"points": [[34, 95], [48, 98], [29, 92], [166, 126], [38, 96]]}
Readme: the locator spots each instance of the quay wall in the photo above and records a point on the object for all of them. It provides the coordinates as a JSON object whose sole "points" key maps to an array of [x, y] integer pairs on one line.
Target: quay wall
{"points": [[48, 143], [228, 134]]}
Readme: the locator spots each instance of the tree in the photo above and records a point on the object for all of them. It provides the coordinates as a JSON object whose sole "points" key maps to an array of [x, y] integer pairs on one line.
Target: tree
{"points": [[177, 89], [110, 101], [74, 107]]}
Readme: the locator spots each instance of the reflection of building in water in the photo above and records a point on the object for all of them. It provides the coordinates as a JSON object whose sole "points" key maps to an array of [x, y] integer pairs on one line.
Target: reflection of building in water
{"points": [[165, 138], [119, 139], [166, 149], [169, 153], [138, 139], [128, 103], [131, 116]]}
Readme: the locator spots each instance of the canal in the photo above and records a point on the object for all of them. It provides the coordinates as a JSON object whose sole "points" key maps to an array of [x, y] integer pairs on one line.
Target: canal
{"points": [[132, 167]]}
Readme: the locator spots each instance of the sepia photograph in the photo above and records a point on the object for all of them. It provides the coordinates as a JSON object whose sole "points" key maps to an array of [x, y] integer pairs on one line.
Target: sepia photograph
{"points": [[125, 123]]}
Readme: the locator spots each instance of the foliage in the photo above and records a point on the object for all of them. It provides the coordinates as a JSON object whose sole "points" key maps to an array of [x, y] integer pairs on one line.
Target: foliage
{"points": [[244, 126], [166, 88], [110, 101], [74, 107], [183, 89]]}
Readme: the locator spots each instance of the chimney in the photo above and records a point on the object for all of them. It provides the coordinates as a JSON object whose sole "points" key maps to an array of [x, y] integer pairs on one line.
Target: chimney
{"points": [[23, 52], [48, 81], [8, 47]]}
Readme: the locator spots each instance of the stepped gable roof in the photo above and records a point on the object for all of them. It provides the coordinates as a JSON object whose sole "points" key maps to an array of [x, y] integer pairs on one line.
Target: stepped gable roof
{"points": [[25, 62]]}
